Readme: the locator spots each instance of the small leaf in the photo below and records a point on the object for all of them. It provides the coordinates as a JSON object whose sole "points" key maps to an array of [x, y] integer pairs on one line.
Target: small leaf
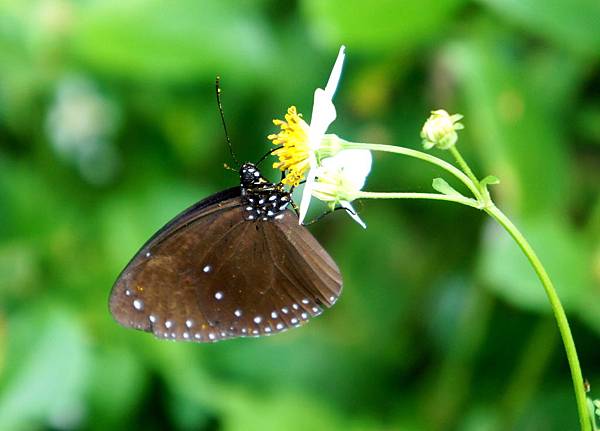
{"points": [[443, 187], [489, 180]]}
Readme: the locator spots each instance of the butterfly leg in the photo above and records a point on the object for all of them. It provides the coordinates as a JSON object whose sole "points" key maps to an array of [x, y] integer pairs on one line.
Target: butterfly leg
{"points": [[348, 210], [295, 207]]}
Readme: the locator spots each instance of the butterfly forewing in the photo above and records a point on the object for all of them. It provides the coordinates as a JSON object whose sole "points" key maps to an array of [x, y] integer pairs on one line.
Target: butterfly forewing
{"points": [[211, 275]]}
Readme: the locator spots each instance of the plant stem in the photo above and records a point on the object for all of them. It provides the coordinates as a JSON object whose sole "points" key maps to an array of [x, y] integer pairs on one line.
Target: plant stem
{"points": [[472, 185], [484, 202], [463, 165], [433, 196], [557, 308]]}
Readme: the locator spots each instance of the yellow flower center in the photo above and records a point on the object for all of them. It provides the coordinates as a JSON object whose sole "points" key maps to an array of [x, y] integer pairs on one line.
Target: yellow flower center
{"points": [[293, 155]]}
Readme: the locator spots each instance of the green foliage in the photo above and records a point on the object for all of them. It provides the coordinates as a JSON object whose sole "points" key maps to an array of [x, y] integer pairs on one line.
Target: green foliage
{"points": [[108, 128]]}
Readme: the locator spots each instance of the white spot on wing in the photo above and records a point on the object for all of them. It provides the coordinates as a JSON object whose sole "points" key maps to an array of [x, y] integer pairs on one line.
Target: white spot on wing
{"points": [[237, 312], [189, 323], [219, 295], [207, 268], [138, 304], [257, 319]]}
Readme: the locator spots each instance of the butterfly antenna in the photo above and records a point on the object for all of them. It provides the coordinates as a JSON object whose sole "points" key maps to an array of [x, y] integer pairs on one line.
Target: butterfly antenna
{"points": [[262, 159], [218, 89], [229, 168]]}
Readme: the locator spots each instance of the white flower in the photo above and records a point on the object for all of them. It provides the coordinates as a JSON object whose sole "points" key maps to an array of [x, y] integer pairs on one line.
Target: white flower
{"points": [[339, 179], [323, 114], [300, 141]]}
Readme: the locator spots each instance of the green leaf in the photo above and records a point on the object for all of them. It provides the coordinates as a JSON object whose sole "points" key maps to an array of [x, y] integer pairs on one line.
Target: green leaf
{"points": [[506, 270], [47, 371], [388, 24], [443, 187], [573, 24], [489, 180], [510, 125], [176, 41]]}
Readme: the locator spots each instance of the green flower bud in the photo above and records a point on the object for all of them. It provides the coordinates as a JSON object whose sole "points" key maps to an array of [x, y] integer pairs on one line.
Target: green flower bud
{"points": [[440, 130]]}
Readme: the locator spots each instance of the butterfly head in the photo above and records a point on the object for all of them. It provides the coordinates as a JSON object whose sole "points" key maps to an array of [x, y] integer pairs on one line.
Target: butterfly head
{"points": [[250, 176]]}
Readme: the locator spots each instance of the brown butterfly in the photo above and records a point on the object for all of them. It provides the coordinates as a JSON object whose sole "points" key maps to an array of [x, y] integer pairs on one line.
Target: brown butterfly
{"points": [[235, 264]]}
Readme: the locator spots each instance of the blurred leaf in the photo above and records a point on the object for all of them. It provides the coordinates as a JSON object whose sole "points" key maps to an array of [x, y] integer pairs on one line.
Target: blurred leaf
{"points": [[571, 23], [18, 269], [590, 306], [511, 131], [116, 387], [286, 410], [177, 41], [47, 370], [385, 25], [589, 123], [506, 270]]}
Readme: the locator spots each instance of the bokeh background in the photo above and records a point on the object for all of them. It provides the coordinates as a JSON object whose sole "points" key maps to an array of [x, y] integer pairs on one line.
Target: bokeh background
{"points": [[108, 128]]}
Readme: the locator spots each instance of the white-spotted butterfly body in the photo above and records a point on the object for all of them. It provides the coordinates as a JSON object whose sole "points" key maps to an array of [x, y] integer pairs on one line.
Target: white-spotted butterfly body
{"points": [[236, 264]]}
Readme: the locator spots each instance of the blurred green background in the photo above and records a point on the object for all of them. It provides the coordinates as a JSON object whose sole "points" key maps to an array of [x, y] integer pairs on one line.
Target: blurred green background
{"points": [[108, 128]]}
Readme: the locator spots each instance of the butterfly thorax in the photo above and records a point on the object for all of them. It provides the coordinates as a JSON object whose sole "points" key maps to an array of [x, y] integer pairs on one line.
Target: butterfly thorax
{"points": [[262, 200]]}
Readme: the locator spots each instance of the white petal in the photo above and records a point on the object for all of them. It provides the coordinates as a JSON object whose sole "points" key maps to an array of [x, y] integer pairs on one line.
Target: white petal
{"points": [[355, 165], [323, 112], [308, 187], [353, 213], [336, 73]]}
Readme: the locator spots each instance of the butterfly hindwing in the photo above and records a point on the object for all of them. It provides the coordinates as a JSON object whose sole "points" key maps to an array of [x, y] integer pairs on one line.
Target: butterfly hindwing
{"points": [[210, 274]]}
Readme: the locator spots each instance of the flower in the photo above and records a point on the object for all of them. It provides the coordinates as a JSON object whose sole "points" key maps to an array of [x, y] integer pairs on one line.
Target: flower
{"points": [[301, 141], [293, 155], [339, 179], [440, 130]]}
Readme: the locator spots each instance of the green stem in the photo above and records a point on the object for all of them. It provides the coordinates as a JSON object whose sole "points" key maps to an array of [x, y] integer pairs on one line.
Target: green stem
{"points": [[422, 156], [433, 196], [557, 308], [468, 178], [463, 165]]}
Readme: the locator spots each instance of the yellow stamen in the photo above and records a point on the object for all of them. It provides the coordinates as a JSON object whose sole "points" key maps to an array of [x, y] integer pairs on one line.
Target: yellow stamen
{"points": [[293, 155]]}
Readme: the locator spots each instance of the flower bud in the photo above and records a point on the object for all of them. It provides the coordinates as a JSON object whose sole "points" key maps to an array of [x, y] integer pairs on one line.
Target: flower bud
{"points": [[440, 130]]}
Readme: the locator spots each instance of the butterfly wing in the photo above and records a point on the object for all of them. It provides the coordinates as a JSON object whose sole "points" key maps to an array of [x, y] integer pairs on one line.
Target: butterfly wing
{"points": [[211, 275]]}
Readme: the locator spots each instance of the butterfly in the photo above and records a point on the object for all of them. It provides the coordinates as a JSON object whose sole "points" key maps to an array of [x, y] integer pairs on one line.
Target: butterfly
{"points": [[236, 264]]}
